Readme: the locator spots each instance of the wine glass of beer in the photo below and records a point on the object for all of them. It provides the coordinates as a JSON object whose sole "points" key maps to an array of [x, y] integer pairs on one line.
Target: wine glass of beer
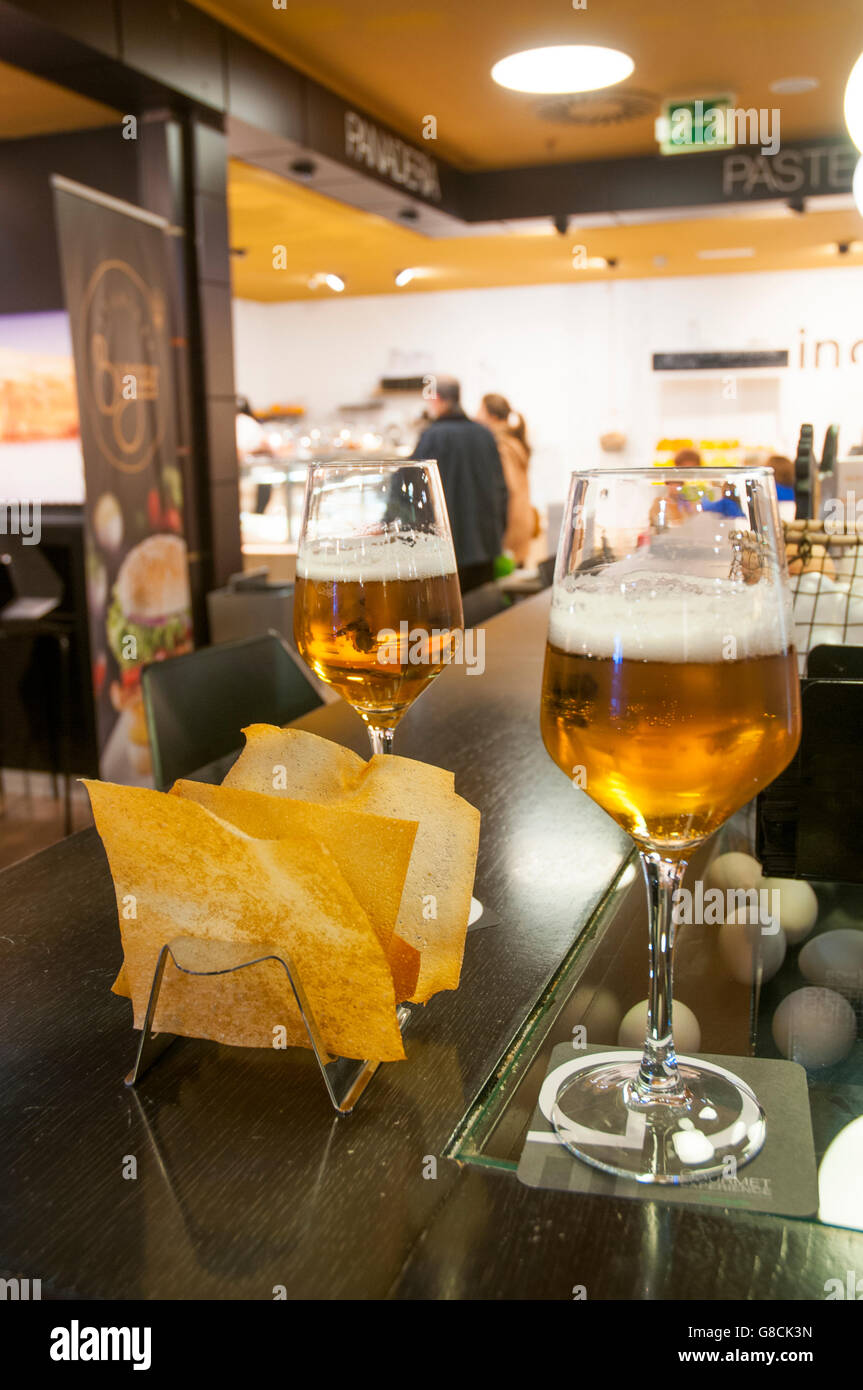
{"points": [[670, 694], [377, 603]]}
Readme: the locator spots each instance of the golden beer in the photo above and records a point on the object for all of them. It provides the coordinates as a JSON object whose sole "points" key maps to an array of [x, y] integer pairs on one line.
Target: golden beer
{"points": [[670, 749], [378, 641]]}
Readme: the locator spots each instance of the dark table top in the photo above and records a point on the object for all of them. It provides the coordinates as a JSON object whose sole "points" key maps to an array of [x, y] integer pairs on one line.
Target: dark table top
{"points": [[226, 1173]]}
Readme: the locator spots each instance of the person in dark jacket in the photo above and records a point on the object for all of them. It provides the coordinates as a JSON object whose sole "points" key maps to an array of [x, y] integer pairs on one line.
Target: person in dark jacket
{"points": [[473, 483]]}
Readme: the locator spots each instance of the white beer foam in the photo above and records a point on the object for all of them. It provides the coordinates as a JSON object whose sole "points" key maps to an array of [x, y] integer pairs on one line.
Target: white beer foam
{"points": [[360, 559], [661, 617]]}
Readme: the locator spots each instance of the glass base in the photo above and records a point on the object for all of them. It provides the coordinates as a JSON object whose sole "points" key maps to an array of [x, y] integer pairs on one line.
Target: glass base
{"points": [[716, 1127]]}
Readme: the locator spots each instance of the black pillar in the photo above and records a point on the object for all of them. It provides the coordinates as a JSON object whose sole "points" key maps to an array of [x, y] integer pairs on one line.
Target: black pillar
{"points": [[183, 177]]}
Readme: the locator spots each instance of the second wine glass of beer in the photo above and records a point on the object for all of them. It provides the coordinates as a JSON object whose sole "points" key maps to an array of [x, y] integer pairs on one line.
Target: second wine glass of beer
{"points": [[377, 604]]}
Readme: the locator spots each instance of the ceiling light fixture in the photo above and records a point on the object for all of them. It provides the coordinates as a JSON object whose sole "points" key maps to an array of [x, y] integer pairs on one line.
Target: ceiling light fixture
{"points": [[404, 277], [857, 186], [565, 68], [794, 86], [333, 282], [839, 248], [726, 253], [854, 103]]}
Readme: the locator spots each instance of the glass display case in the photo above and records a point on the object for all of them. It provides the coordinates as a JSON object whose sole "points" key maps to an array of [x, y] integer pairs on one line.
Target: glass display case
{"points": [[272, 484], [603, 976]]}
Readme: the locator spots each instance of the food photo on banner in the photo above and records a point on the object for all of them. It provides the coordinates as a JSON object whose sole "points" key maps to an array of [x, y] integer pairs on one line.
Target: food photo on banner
{"points": [[117, 288]]}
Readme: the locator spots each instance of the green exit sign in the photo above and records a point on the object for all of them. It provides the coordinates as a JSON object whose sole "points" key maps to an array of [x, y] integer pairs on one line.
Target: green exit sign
{"points": [[696, 123]]}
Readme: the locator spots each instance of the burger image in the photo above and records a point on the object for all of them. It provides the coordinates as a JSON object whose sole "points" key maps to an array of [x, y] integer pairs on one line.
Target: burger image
{"points": [[149, 619]]}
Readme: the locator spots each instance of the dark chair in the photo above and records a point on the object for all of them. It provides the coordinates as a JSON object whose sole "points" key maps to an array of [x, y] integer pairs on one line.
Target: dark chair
{"points": [[197, 704], [545, 570], [484, 603]]}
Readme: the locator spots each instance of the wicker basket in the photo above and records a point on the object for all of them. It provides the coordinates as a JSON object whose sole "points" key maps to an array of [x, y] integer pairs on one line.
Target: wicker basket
{"points": [[827, 583]]}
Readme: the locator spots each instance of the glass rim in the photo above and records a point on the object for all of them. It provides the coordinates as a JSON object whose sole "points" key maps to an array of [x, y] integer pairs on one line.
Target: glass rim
{"points": [[696, 471], [376, 464]]}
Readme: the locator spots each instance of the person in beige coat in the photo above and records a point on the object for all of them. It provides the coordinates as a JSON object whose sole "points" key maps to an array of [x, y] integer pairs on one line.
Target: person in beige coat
{"points": [[510, 432]]}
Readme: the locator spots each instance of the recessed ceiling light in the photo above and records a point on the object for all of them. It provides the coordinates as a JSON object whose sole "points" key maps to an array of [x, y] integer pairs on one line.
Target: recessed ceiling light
{"points": [[333, 282], [794, 86], [854, 103], [726, 253], [564, 68], [839, 248], [404, 277]]}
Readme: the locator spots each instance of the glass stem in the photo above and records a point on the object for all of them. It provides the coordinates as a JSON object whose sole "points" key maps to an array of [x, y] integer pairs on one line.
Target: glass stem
{"points": [[381, 739], [658, 1078]]}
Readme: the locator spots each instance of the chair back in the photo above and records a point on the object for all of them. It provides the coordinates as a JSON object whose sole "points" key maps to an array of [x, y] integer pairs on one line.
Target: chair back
{"points": [[197, 704]]}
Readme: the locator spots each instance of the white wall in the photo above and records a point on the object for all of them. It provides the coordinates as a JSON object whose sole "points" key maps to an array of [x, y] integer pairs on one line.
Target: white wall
{"points": [[576, 359]]}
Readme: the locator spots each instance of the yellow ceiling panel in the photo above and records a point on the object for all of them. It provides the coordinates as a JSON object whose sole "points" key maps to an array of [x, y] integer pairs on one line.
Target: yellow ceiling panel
{"points": [[31, 106], [322, 236], [405, 59]]}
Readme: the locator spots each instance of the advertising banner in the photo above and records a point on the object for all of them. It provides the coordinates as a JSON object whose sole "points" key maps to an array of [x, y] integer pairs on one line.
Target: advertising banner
{"points": [[117, 285]]}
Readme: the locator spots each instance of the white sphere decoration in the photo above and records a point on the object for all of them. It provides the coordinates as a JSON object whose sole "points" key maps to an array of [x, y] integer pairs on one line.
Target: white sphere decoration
{"points": [[831, 608], [804, 609], [798, 906], [814, 582], [839, 1187], [815, 1027], [857, 184], [854, 103], [825, 637], [687, 1029], [835, 960], [599, 1012], [744, 946], [733, 870]]}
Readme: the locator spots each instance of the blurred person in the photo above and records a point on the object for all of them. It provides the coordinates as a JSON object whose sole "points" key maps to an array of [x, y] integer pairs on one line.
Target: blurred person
{"points": [[687, 458], [510, 432], [783, 472], [726, 505], [676, 506], [473, 482], [251, 440]]}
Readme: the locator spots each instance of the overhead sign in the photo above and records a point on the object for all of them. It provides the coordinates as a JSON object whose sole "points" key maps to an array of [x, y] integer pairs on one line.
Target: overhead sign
{"points": [[718, 361], [339, 131], [697, 123], [801, 169], [393, 159], [808, 170]]}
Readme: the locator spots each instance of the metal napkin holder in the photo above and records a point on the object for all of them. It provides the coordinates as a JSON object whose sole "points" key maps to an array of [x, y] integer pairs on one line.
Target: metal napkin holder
{"points": [[344, 1078]]}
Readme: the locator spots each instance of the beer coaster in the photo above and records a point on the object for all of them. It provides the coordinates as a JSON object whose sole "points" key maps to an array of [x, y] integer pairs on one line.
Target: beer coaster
{"points": [[480, 916], [782, 1179]]}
